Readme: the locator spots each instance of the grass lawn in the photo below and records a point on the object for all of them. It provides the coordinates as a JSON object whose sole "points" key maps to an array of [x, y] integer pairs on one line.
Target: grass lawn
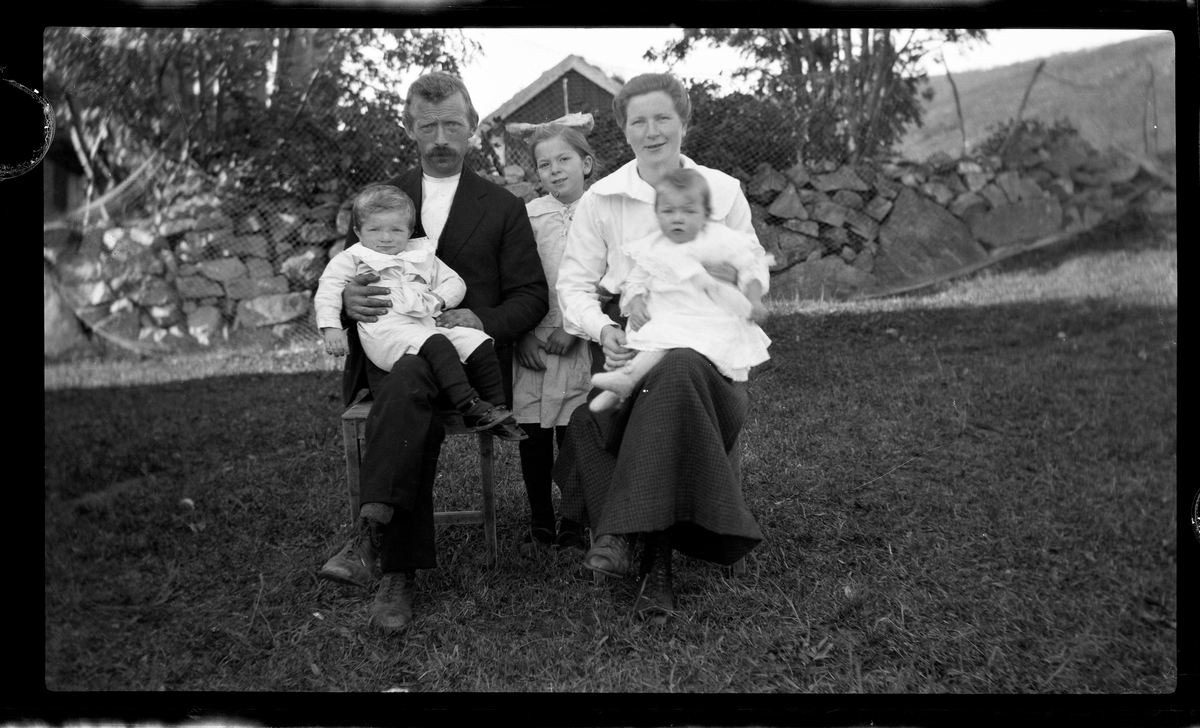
{"points": [[970, 490]]}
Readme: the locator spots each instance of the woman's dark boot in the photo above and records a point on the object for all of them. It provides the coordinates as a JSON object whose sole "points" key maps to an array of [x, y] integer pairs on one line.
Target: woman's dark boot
{"points": [[656, 599]]}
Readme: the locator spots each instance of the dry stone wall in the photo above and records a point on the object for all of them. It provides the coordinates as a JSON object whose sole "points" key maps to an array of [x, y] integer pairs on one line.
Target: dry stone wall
{"points": [[840, 230], [207, 270]]}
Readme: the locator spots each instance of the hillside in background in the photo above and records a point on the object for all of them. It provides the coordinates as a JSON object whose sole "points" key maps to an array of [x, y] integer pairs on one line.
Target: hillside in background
{"points": [[1104, 91]]}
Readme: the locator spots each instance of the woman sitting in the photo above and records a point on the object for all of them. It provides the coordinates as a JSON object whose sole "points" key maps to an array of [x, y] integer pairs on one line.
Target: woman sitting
{"points": [[665, 464]]}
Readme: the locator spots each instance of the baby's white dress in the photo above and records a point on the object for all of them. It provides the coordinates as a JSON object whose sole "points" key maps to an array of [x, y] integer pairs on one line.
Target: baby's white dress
{"points": [[690, 309], [409, 321]]}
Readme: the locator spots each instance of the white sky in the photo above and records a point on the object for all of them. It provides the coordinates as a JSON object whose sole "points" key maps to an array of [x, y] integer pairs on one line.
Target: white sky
{"points": [[513, 58]]}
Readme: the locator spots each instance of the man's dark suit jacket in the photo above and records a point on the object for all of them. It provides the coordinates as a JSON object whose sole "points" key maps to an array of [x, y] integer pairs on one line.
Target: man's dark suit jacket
{"points": [[489, 242]]}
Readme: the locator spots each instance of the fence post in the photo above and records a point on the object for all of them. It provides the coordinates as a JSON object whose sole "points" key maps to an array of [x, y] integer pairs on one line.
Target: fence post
{"points": [[962, 127], [1021, 109]]}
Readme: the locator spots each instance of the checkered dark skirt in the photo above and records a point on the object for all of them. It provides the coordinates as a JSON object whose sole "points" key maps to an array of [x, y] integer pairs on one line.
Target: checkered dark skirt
{"points": [[661, 462]]}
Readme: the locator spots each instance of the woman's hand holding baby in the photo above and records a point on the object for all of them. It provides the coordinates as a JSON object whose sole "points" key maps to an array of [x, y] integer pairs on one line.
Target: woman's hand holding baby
{"points": [[612, 339]]}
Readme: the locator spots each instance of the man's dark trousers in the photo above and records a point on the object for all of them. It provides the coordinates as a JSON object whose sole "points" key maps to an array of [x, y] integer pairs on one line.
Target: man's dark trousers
{"points": [[405, 402]]}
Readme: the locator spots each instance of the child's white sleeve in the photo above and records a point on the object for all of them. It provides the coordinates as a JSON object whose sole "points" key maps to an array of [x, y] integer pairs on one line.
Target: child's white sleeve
{"points": [[447, 283], [328, 299]]}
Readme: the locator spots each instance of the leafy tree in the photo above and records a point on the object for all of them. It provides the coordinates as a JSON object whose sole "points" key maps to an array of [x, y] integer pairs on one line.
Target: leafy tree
{"points": [[264, 109], [850, 92], [737, 131]]}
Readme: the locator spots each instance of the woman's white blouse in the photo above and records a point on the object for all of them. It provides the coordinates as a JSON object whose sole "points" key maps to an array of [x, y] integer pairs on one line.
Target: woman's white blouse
{"points": [[616, 210]]}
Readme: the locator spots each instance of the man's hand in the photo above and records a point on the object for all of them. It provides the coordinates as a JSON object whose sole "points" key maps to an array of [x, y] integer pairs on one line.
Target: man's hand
{"points": [[612, 339], [559, 342], [722, 272], [357, 298], [639, 315], [458, 317], [335, 341], [529, 353]]}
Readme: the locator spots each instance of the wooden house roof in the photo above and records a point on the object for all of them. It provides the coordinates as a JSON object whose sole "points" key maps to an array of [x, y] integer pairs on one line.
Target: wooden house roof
{"points": [[547, 79]]}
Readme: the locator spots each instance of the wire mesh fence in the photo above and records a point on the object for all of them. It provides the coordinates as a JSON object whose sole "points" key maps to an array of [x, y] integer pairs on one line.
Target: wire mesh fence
{"points": [[176, 258]]}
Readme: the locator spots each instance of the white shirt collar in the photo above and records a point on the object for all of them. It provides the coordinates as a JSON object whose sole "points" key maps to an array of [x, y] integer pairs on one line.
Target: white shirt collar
{"points": [[626, 181]]}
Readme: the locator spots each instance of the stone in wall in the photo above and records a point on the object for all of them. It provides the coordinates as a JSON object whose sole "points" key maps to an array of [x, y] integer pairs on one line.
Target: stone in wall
{"points": [[878, 208], [281, 226], [326, 211], [198, 287], [1017, 187], [788, 205], [940, 193], [966, 202], [214, 220], [154, 291], [258, 268], [830, 213], [834, 238], [811, 228], [80, 266], [994, 195], [246, 245], [165, 316], [798, 174], [844, 178], [768, 236], [1061, 187], [825, 278], [172, 226], [1067, 153], [886, 188], [766, 182], [795, 247], [920, 240], [952, 182], [89, 293], [862, 225], [271, 309], [63, 332], [240, 288], [813, 197], [865, 260], [222, 269], [316, 233], [205, 324], [122, 322], [196, 245], [249, 223], [304, 268], [848, 199], [1018, 222], [130, 265]]}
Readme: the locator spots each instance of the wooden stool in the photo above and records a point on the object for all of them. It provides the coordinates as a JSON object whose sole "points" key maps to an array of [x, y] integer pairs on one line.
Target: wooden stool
{"points": [[354, 432]]}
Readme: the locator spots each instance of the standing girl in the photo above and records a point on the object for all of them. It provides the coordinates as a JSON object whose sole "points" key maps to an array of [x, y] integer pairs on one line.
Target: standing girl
{"points": [[551, 369]]}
